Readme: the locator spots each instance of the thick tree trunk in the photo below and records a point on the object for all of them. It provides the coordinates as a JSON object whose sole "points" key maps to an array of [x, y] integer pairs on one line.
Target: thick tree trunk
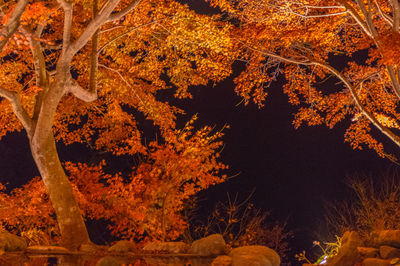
{"points": [[72, 227]]}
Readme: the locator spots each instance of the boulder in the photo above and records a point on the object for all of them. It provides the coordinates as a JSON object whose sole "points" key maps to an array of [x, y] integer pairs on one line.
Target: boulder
{"points": [[388, 252], [167, 247], [385, 237], [254, 255], [92, 248], [211, 245], [122, 247], [376, 262], [348, 254], [222, 261], [367, 252], [10, 242]]}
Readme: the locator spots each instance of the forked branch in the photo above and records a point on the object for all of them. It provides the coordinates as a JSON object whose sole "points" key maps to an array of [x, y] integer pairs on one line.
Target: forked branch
{"points": [[42, 79], [124, 11], [81, 93], [12, 23], [93, 26]]}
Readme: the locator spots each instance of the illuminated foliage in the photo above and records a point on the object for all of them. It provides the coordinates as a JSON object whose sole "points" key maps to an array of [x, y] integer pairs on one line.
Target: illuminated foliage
{"points": [[91, 72], [146, 203], [340, 59]]}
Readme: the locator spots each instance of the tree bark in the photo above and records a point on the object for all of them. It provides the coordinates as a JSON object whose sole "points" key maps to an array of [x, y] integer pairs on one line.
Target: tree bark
{"points": [[72, 227]]}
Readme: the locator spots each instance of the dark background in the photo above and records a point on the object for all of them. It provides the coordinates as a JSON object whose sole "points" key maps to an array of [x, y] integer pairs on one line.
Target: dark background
{"points": [[292, 172]]}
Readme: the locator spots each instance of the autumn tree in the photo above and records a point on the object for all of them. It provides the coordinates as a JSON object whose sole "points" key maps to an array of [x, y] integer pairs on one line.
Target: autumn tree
{"points": [[79, 71], [340, 59], [144, 206]]}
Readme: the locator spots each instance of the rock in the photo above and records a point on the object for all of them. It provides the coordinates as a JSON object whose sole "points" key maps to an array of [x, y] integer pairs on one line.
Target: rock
{"points": [[123, 246], [92, 248], [375, 262], [388, 252], [48, 249], [10, 242], [386, 237], [167, 247], [254, 255], [209, 246], [222, 261], [348, 254], [366, 252]]}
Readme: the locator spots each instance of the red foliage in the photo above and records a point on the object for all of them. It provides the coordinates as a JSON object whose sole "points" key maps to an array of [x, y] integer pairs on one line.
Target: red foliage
{"points": [[147, 203]]}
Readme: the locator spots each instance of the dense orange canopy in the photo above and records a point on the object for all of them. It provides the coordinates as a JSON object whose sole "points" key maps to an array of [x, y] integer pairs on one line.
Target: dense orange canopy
{"points": [[340, 60], [91, 72]]}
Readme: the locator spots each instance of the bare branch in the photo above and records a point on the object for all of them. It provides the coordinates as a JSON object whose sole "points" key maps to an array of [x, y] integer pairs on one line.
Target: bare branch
{"points": [[384, 16], [394, 80], [320, 16], [123, 34], [396, 15], [356, 17], [18, 109], [368, 17], [12, 23], [81, 93], [94, 55], [42, 79], [38, 57], [52, 47], [123, 12], [93, 26], [67, 6], [125, 81]]}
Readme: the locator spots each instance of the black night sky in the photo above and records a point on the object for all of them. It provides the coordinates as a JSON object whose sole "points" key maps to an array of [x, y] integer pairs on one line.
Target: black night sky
{"points": [[292, 171]]}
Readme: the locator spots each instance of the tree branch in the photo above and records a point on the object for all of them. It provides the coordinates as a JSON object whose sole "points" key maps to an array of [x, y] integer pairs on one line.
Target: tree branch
{"points": [[94, 54], [396, 15], [18, 109], [81, 93], [384, 16], [38, 57], [93, 26], [42, 79], [393, 137], [356, 17], [368, 19], [12, 23], [67, 7], [124, 11], [123, 34], [394, 81]]}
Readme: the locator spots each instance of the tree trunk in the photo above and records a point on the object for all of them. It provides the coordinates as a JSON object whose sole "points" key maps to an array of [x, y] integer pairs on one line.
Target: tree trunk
{"points": [[72, 227]]}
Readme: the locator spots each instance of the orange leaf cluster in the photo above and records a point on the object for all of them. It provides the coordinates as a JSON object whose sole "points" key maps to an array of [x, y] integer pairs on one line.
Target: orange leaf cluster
{"points": [[145, 58], [340, 60], [148, 203]]}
